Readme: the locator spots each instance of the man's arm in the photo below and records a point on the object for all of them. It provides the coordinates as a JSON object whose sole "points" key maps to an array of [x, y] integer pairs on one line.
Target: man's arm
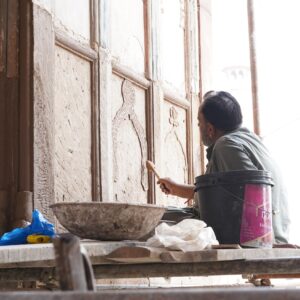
{"points": [[170, 187]]}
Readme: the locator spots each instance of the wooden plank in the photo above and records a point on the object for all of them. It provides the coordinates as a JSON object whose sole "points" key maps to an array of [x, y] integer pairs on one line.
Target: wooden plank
{"points": [[227, 254], [99, 252], [136, 254], [231, 267], [43, 254], [198, 256], [162, 294]]}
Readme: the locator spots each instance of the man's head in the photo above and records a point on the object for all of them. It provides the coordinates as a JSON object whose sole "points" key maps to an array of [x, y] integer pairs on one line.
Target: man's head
{"points": [[219, 113]]}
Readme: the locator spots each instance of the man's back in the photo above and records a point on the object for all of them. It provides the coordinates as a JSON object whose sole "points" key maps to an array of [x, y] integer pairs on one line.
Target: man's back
{"points": [[243, 150]]}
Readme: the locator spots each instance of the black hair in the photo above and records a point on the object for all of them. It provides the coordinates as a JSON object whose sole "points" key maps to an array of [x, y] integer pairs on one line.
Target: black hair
{"points": [[222, 110]]}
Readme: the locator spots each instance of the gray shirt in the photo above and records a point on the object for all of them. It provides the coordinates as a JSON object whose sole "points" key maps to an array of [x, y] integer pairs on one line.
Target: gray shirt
{"points": [[243, 150]]}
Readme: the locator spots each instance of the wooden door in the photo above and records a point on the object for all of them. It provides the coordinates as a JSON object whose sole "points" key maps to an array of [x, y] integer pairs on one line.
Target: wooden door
{"points": [[65, 88], [148, 87], [115, 83]]}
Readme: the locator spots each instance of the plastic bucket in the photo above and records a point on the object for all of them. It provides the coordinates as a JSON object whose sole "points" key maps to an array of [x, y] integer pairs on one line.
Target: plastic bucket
{"points": [[238, 206]]}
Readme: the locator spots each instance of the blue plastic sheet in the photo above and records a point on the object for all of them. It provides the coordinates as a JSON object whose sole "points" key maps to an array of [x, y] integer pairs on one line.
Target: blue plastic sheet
{"points": [[39, 225]]}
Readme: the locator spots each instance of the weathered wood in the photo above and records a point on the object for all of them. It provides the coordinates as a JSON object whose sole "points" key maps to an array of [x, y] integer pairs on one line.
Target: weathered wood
{"points": [[23, 209], [197, 256], [175, 98], [69, 263], [283, 266], [26, 103], [94, 42], [3, 211], [13, 39], [148, 38], [43, 93], [136, 254], [163, 294], [129, 74], [77, 48], [254, 83], [12, 146], [105, 115], [27, 274], [98, 252], [3, 38]]}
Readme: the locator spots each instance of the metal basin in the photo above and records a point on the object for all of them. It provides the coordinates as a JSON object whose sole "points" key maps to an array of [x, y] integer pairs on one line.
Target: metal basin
{"points": [[108, 221]]}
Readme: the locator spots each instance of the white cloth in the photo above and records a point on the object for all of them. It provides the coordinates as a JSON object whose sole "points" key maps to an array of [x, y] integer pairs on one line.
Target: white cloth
{"points": [[187, 235]]}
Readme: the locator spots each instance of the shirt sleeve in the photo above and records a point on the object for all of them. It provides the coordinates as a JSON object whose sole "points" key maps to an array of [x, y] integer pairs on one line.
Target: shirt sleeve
{"points": [[228, 155]]}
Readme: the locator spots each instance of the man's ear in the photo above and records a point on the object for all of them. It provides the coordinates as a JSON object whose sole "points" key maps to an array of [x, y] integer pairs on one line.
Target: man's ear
{"points": [[211, 130]]}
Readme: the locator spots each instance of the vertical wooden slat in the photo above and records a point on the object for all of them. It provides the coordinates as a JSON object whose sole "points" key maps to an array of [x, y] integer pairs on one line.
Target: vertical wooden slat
{"points": [[104, 19], [3, 128], [26, 109], [188, 54], [255, 100], [105, 80], [150, 142], [3, 34], [13, 34], [12, 109], [94, 25], [148, 38], [156, 95], [149, 95], [202, 150]]}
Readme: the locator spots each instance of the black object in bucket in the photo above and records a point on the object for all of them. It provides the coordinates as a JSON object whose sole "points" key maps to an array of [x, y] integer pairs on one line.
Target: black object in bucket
{"points": [[221, 199]]}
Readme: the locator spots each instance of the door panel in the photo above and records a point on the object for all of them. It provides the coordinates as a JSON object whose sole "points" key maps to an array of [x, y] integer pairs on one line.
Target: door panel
{"points": [[127, 33], [174, 149], [73, 16], [72, 109], [172, 22], [129, 142]]}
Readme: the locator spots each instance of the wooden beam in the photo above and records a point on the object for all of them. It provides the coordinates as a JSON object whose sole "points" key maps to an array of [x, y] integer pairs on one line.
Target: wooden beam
{"points": [[230, 293], [254, 84], [26, 99], [77, 48], [283, 266], [130, 74]]}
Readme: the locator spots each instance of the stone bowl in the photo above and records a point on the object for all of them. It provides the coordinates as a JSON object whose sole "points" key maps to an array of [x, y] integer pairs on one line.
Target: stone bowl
{"points": [[108, 221]]}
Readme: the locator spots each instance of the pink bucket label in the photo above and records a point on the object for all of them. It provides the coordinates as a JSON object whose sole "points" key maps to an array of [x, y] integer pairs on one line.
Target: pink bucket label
{"points": [[256, 226]]}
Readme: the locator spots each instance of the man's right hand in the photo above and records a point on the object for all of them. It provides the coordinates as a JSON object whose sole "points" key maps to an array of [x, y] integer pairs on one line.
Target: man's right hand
{"points": [[167, 186], [170, 187]]}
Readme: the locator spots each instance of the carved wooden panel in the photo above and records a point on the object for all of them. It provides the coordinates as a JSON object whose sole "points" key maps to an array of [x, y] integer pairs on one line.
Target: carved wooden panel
{"points": [[127, 33], [72, 109], [129, 142], [172, 39], [174, 162]]}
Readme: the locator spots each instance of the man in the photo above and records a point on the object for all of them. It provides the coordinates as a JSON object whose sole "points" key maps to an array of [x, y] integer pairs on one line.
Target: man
{"points": [[232, 147]]}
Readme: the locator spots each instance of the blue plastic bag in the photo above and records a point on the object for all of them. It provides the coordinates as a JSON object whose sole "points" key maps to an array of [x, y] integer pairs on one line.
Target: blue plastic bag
{"points": [[39, 225]]}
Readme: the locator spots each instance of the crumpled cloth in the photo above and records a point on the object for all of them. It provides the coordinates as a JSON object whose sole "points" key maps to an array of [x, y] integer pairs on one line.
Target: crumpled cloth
{"points": [[187, 235]]}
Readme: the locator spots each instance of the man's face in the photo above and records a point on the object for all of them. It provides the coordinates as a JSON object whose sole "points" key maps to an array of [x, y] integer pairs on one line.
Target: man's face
{"points": [[204, 129]]}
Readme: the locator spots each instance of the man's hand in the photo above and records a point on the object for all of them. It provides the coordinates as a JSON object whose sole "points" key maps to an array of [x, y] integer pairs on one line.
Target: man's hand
{"points": [[167, 186], [170, 187]]}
